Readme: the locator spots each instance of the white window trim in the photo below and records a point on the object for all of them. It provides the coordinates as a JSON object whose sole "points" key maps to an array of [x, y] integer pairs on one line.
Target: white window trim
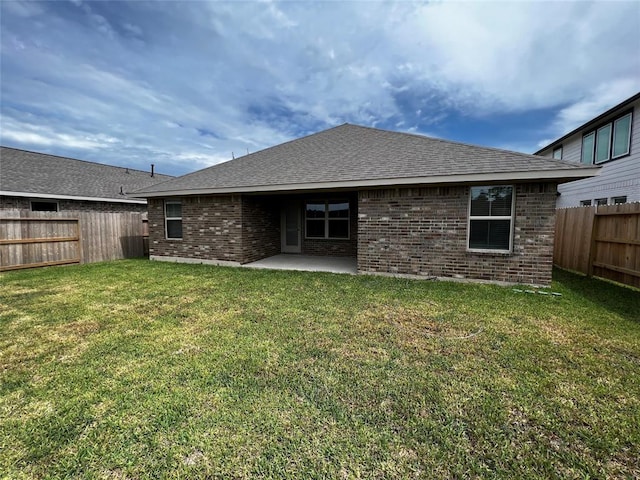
{"points": [[327, 219], [593, 149], [612, 125], [511, 218], [557, 149], [609, 145], [613, 135], [167, 218], [43, 200]]}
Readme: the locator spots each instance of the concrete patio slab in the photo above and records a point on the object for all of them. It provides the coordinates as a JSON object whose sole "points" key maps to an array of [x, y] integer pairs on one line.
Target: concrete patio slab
{"points": [[307, 263]]}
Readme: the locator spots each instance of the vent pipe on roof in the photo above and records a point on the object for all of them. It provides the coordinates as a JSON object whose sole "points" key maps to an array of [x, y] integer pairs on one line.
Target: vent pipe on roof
{"points": [[152, 167], [121, 192]]}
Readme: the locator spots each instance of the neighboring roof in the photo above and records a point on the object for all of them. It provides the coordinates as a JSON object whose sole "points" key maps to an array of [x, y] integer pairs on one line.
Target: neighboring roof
{"points": [[591, 122], [351, 156], [32, 174]]}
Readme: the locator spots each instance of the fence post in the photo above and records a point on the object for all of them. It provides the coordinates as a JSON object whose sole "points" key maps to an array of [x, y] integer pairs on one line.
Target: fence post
{"points": [[593, 243]]}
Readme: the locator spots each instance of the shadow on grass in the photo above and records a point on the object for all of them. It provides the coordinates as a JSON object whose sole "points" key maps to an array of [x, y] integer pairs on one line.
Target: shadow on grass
{"points": [[625, 301]]}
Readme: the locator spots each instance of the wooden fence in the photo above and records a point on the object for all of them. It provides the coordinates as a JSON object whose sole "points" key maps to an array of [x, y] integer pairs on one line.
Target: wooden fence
{"points": [[603, 241], [36, 239]]}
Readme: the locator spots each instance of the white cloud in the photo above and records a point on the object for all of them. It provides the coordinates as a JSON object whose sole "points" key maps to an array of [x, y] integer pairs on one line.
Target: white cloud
{"points": [[48, 137], [596, 101], [213, 78]]}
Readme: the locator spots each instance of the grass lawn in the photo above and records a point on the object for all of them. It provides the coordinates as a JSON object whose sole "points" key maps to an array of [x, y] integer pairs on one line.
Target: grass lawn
{"points": [[138, 369]]}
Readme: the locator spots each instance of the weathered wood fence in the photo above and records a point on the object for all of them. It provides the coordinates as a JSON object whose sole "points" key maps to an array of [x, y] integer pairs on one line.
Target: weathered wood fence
{"points": [[602, 241], [37, 239]]}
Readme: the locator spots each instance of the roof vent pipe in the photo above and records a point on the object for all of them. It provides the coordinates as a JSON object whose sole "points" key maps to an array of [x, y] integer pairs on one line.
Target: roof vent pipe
{"points": [[152, 167]]}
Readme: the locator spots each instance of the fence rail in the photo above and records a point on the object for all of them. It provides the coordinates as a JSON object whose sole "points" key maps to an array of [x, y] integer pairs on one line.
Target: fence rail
{"points": [[36, 239], [602, 241]]}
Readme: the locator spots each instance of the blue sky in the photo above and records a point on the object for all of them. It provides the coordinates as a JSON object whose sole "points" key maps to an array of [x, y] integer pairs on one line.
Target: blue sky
{"points": [[185, 84]]}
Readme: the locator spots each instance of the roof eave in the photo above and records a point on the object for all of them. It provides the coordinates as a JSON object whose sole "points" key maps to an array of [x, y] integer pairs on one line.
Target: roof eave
{"points": [[559, 176], [72, 197]]}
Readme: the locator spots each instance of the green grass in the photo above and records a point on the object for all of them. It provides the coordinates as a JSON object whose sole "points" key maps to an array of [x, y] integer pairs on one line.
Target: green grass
{"points": [[137, 369]]}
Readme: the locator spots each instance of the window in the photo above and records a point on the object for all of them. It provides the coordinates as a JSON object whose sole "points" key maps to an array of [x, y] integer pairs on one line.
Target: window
{"points": [[43, 206], [609, 141], [557, 153], [619, 200], [621, 136], [601, 201], [587, 148], [491, 218], [585, 203], [173, 219], [327, 219]]}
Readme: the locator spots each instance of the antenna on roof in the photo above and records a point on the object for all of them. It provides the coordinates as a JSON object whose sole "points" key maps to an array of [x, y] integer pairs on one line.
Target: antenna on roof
{"points": [[247, 151], [233, 156], [152, 167]]}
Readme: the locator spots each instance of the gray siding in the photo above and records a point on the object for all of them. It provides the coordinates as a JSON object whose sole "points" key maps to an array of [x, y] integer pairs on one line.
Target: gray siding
{"points": [[617, 177]]}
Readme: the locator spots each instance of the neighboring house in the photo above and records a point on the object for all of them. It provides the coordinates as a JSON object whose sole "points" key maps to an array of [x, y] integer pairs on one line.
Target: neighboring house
{"points": [[41, 182], [397, 203], [611, 140]]}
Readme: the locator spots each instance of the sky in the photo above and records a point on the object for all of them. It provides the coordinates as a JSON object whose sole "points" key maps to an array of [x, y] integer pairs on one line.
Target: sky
{"points": [[189, 84]]}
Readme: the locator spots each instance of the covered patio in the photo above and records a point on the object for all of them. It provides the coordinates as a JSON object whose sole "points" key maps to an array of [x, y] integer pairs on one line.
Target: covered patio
{"points": [[308, 263]]}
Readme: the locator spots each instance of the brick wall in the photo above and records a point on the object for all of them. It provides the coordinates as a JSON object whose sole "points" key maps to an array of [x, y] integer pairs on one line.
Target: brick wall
{"points": [[211, 228], [423, 231], [260, 228], [24, 203]]}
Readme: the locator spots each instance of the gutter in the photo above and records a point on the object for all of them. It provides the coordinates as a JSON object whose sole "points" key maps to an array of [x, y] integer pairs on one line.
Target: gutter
{"points": [[71, 197], [490, 178]]}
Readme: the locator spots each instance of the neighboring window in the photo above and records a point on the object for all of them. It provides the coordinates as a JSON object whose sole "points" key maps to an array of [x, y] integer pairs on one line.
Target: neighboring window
{"points": [[588, 141], [557, 153], [601, 201], [585, 203], [611, 140], [490, 218], [619, 200], [42, 206], [621, 136], [173, 219], [327, 219]]}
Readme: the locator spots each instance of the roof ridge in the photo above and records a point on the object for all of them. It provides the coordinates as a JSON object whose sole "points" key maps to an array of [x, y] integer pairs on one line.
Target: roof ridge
{"points": [[87, 161]]}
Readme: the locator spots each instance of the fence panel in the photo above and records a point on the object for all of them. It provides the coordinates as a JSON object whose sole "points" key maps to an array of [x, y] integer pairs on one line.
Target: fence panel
{"points": [[603, 241], [573, 238], [38, 241], [617, 243], [30, 239]]}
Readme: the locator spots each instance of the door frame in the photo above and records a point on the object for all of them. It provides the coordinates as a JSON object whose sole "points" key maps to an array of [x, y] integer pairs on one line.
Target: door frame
{"points": [[284, 248]]}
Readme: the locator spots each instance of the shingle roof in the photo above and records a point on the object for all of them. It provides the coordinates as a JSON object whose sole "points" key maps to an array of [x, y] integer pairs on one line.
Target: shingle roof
{"points": [[351, 156], [45, 175]]}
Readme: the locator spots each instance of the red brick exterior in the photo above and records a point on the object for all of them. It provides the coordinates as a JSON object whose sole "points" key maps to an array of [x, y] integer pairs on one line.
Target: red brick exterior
{"points": [[211, 229], [260, 228], [238, 228], [423, 231], [414, 231], [24, 203]]}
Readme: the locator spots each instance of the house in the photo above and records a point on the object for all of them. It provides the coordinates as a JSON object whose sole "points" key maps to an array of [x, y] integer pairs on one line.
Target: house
{"points": [[395, 203], [611, 140], [40, 182]]}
